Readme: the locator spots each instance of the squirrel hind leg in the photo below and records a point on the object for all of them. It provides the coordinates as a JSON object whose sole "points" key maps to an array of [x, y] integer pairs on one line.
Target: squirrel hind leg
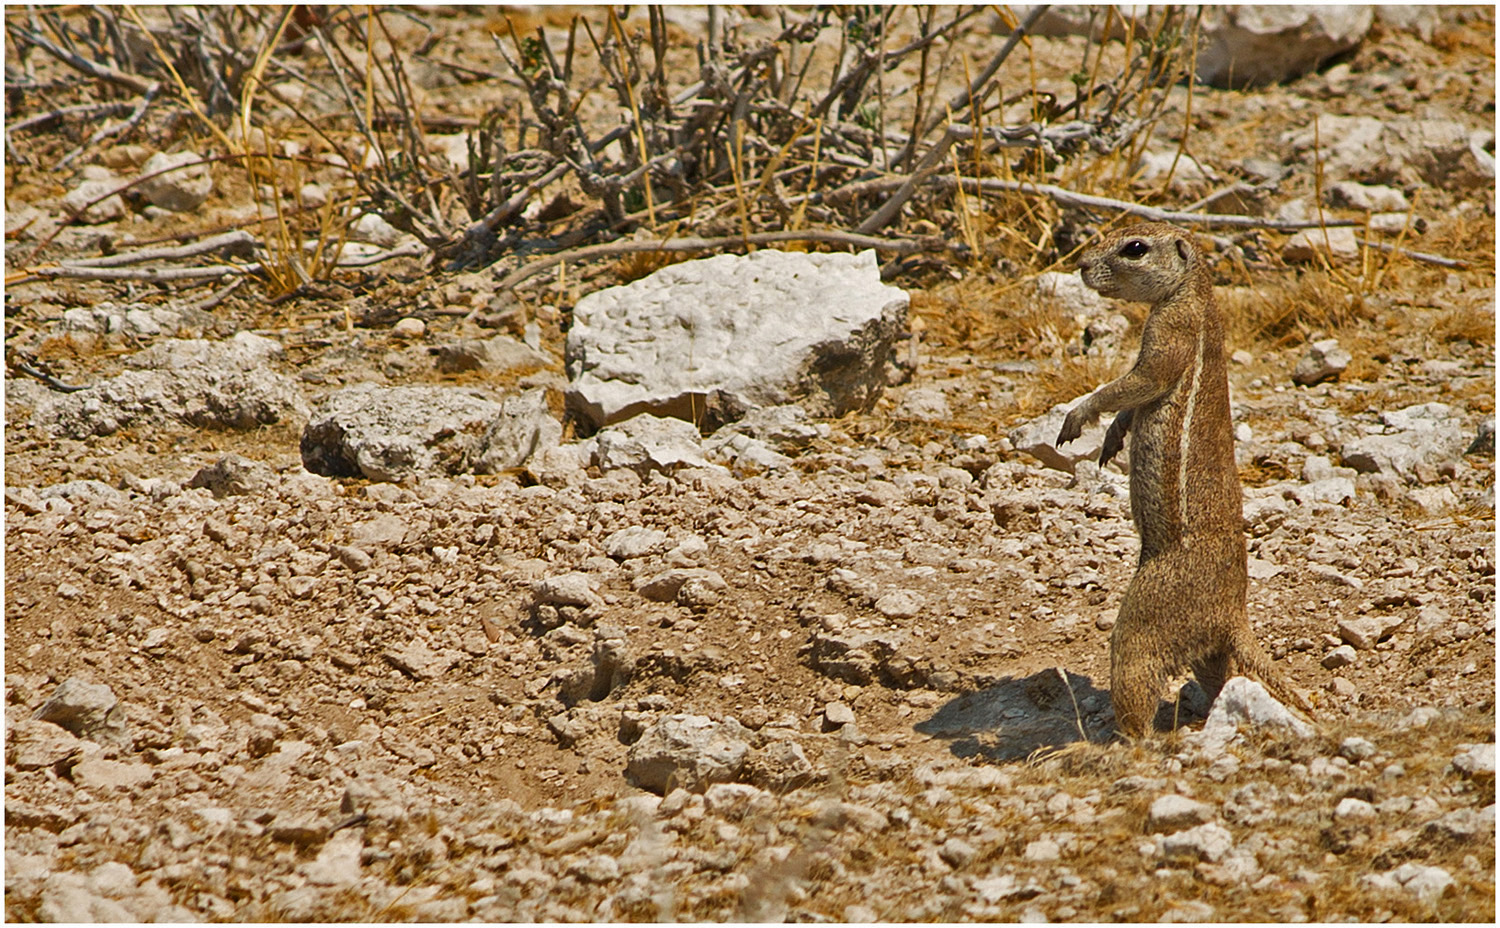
{"points": [[1211, 671]]}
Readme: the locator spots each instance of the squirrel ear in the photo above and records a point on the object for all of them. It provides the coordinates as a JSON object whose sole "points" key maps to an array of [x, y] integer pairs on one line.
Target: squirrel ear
{"points": [[1184, 251]]}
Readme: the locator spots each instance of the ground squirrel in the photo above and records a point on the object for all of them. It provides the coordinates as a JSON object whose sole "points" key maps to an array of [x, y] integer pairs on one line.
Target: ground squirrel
{"points": [[1185, 607]]}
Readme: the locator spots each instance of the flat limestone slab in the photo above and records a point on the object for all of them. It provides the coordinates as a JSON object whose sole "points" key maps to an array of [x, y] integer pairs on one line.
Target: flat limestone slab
{"points": [[709, 340]]}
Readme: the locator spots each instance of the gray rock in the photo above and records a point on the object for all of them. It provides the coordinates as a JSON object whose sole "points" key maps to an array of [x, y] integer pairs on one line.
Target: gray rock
{"points": [[860, 657], [131, 319], [108, 209], [1039, 436], [88, 710], [1478, 762], [246, 351], [574, 589], [925, 404], [181, 190], [1071, 295], [785, 428], [524, 428], [1364, 633], [1324, 360], [1427, 884], [837, 715], [689, 752], [779, 766], [1373, 198], [372, 229], [1341, 656], [1042, 850], [33, 744], [1415, 439], [1350, 810], [1330, 490], [1462, 825], [1172, 812], [207, 385], [1356, 749], [695, 587], [900, 604], [726, 334], [1190, 912], [395, 433], [636, 541], [957, 852], [1307, 244], [419, 661], [1209, 842], [232, 475], [645, 443], [995, 889], [1403, 150], [337, 863], [86, 493], [1249, 45], [1245, 702], [500, 353], [743, 454], [96, 773]]}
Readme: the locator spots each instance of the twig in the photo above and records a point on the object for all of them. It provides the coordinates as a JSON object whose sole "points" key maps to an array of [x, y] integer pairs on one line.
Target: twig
{"points": [[978, 86], [930, 162], [905, 246], [1439, 260], [1090, 201], [43, 120], [161, 274], [408, 250], [104, 132], [218, 296], [77, 62], [46, 378], [238, 243]]}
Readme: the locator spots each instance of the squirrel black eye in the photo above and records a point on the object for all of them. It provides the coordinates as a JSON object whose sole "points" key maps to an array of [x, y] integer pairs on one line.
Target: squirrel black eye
{"points": [[1135, 248]]}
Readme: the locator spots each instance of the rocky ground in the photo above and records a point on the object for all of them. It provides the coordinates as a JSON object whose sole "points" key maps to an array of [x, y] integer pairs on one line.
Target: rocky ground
{"points": [[806, 667]]}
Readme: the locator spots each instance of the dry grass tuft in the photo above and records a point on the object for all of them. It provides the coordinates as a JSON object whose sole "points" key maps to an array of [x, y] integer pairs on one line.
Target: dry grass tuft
{"points": [[1472, 324], [980, 317], [1288, 312], [640, 264], [1071, 378]]}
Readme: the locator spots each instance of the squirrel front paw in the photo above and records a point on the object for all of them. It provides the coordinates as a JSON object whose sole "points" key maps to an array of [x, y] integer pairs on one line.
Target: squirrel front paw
{"points": [[1072, 427]]}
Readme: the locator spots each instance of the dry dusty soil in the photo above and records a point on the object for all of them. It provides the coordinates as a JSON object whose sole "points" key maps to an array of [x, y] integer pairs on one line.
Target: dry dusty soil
{"points": [[348, 700]]}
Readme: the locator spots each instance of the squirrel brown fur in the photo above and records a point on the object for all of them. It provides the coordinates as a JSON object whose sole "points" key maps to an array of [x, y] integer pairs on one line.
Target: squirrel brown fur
{"points": [[1185, 607]]}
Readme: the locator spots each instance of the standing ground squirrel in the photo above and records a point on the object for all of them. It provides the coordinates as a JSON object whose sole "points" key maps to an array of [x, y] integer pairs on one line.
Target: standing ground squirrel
{"points": [[1185, 607]]}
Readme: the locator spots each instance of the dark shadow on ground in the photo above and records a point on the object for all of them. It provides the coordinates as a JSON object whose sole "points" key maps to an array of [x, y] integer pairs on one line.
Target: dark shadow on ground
{"points": [[1048, 710]]}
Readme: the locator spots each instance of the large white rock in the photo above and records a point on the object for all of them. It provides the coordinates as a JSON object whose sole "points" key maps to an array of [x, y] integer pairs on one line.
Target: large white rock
{"points": [[1251, 44], [712, 339]]}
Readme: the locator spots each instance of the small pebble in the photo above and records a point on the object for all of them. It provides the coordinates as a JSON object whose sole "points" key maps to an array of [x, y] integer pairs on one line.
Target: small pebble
{"points": [[410, 328]]}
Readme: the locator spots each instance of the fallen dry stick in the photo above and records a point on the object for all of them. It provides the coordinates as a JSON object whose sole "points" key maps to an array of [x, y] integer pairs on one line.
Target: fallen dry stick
{"points": [[1072, 198], [238, 243], [1439, 260]]}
